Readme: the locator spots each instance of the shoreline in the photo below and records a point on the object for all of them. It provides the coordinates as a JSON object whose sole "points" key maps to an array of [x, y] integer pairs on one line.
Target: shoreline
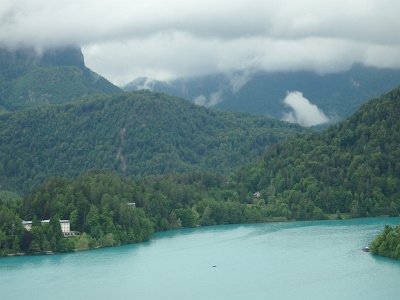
{"points": [[198, 226]]}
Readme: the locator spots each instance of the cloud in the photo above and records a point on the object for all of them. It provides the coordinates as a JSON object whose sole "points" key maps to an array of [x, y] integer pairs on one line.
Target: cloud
{"points": [[124, 39], [211, 101], [166, 57], [145, 84], [303, 111], [200, 100], [238, 79]]}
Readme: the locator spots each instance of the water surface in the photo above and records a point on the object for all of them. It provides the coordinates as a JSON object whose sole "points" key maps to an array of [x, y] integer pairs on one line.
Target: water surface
{"points": [[299, 260]]}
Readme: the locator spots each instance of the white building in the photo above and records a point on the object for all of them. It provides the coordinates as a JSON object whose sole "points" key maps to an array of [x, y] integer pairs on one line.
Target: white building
{"points": [[27, 225], [65, 226]]}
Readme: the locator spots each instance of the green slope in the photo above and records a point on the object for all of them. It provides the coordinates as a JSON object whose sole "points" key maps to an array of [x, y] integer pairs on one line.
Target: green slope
{"points": [[351, 168], [28, 79], [135, 134]]}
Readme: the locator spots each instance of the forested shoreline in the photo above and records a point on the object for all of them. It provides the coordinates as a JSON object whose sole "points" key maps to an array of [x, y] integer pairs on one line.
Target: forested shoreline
{"points": [[349, 170], [387, 243], [96, 203]]}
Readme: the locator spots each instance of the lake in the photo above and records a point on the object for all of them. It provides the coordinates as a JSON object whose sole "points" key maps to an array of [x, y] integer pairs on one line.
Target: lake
{"points": [[297, 260]]}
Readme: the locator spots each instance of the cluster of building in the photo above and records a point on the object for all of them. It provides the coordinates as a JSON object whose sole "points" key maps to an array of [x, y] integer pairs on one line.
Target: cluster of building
{"points": [[65, 226]]}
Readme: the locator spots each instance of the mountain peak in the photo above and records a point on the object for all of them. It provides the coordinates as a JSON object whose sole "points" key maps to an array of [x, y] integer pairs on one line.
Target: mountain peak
{"points": [[31, 78], [67, 56]]}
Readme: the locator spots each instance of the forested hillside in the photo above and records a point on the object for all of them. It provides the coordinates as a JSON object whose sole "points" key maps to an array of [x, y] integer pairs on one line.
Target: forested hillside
{"points": [[351, 168], [136, 134], [30, 79], [95, 204]]}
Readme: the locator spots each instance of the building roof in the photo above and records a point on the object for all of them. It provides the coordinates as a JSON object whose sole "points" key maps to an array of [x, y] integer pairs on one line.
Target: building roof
{"points": [[43, 221]]}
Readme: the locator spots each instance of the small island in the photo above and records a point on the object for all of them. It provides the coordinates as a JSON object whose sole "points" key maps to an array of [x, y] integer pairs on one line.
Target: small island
{"points": [[387, 243]]}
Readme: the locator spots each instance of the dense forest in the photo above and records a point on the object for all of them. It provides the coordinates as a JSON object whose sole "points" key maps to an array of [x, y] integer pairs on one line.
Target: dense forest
{"points": [[387, 243], [96, 203], [135, 134], [29, 79], [351, 168]]}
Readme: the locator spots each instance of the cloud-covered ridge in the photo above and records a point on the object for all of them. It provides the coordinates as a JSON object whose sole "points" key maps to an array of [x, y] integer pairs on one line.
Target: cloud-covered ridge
{"points": [[123, 39]]}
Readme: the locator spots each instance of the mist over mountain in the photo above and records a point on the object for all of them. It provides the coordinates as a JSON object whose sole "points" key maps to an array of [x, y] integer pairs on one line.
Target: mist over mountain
{"points": [[31, 78], [336, 95]]}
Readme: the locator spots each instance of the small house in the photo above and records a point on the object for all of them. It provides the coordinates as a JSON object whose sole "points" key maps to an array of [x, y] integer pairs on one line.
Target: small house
{"points": [[257, 194]]}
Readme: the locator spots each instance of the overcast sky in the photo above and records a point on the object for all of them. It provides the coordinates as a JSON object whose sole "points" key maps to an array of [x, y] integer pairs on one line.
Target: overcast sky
{"points": [[165, 39]]}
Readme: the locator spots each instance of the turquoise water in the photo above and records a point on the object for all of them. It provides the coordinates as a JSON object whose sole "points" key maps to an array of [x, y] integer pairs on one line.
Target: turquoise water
{"points": [[299, 260]]}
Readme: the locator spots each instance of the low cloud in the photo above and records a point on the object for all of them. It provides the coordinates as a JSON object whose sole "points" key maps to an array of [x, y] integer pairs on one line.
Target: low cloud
{"points": [[303, 111], [145, 84], [211, 101], [123, 39], [200, 100], [237, 80]]}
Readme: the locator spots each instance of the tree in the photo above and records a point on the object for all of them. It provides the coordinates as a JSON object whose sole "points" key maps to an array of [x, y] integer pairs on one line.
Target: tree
{"points": [[387, 243], [186, 216], [92, 222], [55, 234]]}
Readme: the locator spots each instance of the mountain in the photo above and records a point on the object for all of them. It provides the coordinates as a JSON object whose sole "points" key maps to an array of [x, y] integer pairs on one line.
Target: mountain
{"points": [[338, 95], [135, 134], [351, 168], [29, 79]]}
